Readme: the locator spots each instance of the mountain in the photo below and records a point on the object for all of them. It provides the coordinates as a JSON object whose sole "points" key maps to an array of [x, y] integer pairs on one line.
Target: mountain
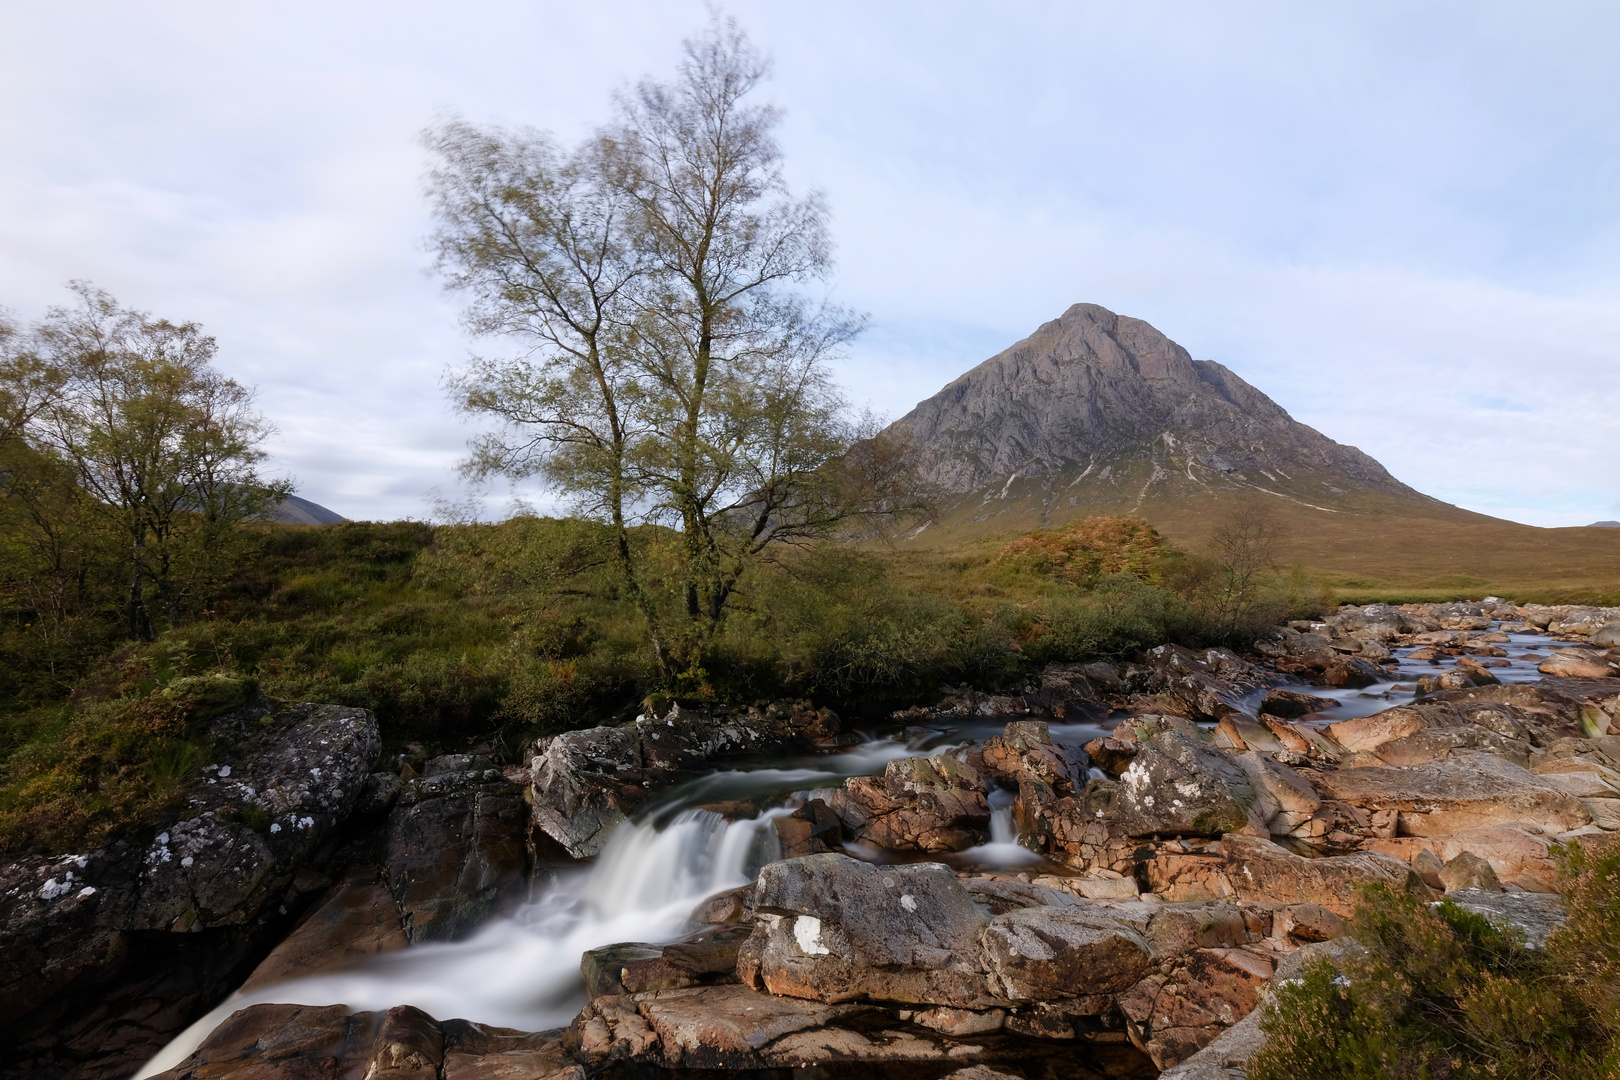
{"points": [[1604, 525], [1098, 413], [1098, 408], [295, 511]]}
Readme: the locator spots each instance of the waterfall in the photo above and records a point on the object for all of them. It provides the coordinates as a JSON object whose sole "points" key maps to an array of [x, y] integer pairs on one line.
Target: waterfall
{"points": [[523, 971], [1003, 848]]}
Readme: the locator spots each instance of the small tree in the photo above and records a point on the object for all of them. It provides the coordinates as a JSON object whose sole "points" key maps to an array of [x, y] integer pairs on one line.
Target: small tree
{"points": [[672, 375], [1243, 544], [162, 448]]}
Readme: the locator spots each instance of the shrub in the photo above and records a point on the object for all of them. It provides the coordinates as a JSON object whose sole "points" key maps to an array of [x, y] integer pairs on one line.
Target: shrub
{"points": [[1436, 991]]}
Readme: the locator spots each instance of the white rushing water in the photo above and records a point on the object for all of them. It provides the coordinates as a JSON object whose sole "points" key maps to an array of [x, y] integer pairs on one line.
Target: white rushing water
{"points": [[523, 972]]}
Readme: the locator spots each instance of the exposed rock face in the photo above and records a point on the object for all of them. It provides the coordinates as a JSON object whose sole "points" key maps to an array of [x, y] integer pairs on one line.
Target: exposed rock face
{"points": [[112, 930], [586, 782], [454, 849], [835, 929], [1176, 786], [1099, 395], [302, 1042], [1462, 792]]}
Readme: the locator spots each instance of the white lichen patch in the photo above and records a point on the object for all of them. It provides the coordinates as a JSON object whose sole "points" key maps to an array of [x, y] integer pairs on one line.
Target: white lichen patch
{"points": [[807, 932]]}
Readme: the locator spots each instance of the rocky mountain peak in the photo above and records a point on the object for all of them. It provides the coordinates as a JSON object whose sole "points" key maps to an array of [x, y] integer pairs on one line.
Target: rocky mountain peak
{"points": [[1097, 407]]}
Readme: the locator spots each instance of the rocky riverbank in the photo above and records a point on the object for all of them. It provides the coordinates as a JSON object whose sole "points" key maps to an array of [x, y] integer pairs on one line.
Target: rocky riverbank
{"points": [[1188, 827]]}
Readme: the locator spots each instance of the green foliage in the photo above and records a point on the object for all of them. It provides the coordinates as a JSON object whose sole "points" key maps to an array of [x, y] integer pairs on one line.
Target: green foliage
{"points": [[469, 633], [1436, 991], [1121, 614]]}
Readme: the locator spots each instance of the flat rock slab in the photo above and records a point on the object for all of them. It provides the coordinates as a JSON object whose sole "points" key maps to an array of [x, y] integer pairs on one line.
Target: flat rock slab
{"points": [[1463, 792], [1536, 914], [1261, 871], [726, 1027]]}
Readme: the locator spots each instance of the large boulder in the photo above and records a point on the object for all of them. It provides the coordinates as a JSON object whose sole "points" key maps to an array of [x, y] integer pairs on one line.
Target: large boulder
{"points": [[1046, 953], [1577, 664], [834, 929], [1025, 752], [918, 804], [455, 849], [1179, 786], [1465, 791], [1425, 731], [584, 783]]}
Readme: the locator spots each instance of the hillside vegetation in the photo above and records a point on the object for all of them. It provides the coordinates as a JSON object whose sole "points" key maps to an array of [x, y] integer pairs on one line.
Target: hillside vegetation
{"points": [[461, 634]]}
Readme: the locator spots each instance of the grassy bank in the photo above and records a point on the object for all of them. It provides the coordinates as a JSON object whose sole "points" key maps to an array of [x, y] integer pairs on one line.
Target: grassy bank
{"points": [[461, 634]]}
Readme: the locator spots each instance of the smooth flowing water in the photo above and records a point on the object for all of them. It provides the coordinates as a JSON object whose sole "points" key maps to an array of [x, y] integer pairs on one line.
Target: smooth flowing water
{"points": [[523, 972]]}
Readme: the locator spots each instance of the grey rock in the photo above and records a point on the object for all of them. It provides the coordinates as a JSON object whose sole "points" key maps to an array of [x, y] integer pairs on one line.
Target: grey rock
{"points": [[833, 929], [1536, 914], [1038, 954], [1177, 786]]}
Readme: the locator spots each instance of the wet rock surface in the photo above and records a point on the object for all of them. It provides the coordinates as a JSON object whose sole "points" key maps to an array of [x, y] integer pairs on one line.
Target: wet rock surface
{"points": [[585, 783]]}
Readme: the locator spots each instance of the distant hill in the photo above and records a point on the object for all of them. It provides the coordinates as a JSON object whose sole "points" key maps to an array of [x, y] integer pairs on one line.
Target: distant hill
{"points": [[295, 511], [1604, 525], [1098, 413]]}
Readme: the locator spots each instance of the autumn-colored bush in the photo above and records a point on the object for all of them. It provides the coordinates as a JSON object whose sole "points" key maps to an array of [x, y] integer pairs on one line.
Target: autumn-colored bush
{"points": [[1087, 549]]}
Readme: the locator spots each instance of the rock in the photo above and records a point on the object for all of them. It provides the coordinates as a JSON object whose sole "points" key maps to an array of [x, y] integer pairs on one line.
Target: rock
{"points": [[300, 1042], [1206, 685], [730, 906], [919, 804], [1428, 866], [1045, 953], [708, 956], [455, 850], [355, 920], [949, 1021], [1261, 871], [1239, 732], [1290, 703], [408, 1046], [1212, 990], [1176, 786], [1577, 664], [1607, 635], [89, 943], [1111, 755], [480, 1052], [1520, 855], [1469, 871], [1536, 915], [727, 1027], [809, 830], [585, 782], [1430, 730], [1025, 752], [1295, 800], [834, 929], [1465, 791]]}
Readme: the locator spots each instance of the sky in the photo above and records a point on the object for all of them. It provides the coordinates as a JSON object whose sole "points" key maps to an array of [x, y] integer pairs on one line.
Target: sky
{"points": [[1400, 221]]}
